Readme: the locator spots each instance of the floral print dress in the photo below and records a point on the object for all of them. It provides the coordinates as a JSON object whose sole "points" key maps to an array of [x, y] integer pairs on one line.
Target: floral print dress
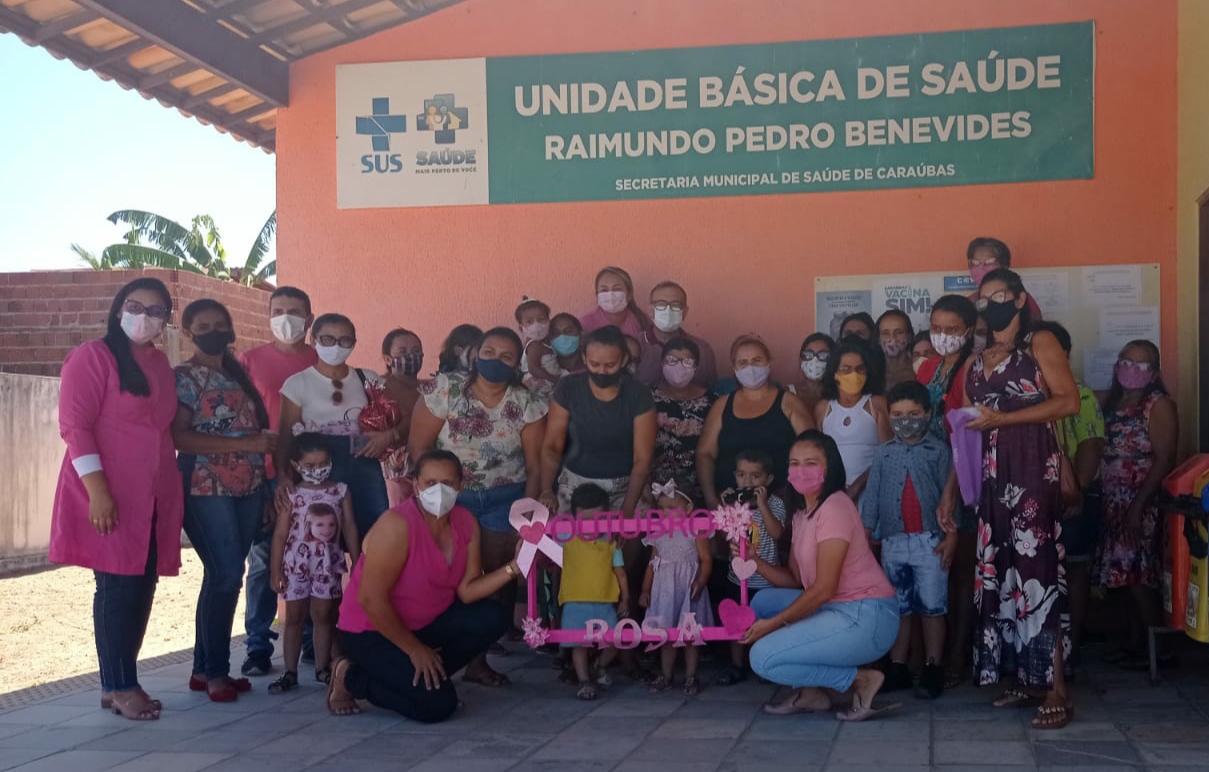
{"points": [[680, 423], [1019, 584], [1128, 456]]}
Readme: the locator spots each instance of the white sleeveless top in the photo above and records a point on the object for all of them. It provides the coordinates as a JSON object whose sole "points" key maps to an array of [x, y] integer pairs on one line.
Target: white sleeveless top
{"points": [[854, 430]]}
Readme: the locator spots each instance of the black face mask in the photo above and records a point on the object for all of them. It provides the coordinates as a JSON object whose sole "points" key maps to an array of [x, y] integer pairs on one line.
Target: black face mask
{"points": [[605, 380], [1000, 315], [214, 342]]}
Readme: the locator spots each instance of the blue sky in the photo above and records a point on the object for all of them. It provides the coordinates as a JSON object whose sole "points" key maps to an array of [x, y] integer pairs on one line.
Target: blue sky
{"points": [[74, 148]]}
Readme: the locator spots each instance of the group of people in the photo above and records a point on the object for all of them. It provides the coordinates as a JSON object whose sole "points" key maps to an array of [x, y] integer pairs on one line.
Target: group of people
{"points": [[926, 504]]}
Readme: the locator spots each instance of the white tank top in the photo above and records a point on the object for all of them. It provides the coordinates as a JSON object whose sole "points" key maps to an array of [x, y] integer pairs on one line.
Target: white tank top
{"points": [[854, 430]]}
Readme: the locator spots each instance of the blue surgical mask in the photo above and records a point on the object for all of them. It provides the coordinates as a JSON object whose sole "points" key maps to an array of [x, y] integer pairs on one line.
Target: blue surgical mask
{"points": [[565, 345]]}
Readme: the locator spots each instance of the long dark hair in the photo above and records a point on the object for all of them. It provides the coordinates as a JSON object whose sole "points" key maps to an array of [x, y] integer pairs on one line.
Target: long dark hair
{"points": [[964, 308], [836, 479], [230, 365], [464, 336], [131, 378], [874, 378], [1156, 385], [1016, 287], [644, 321], [814, 337]]}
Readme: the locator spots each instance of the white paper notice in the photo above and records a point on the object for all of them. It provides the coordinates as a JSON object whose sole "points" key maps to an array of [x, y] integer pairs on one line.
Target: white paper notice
{"points": [[1097, 367], [1050, 290], [1112, 285], [1118, 326]]}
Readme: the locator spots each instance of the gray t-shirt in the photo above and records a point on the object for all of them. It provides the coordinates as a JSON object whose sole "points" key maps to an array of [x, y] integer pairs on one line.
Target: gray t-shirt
{"points": [[600, 435]]}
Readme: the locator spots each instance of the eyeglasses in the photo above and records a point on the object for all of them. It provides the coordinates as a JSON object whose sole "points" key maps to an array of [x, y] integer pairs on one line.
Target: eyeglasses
{"points": [[663, 305], [138, 309], [1143, 366], [344, 341], [809, 355], [1002, 296], [337, 394], [989, 262], [686, 361]]}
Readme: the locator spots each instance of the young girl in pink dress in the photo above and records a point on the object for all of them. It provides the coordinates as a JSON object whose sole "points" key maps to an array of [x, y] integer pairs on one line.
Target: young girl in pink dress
{"points": [[308, 557]]}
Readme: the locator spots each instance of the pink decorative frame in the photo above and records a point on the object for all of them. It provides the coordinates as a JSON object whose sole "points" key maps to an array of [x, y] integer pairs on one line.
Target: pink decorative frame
{"points": [[542, 534]]}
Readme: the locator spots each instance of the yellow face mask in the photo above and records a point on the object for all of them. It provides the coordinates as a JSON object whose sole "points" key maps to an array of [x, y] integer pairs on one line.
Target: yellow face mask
{"points": [[851, 384]]}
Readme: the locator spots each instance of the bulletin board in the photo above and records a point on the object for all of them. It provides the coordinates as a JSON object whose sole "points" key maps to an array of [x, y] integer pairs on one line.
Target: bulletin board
{"points": [[1103, 306]]}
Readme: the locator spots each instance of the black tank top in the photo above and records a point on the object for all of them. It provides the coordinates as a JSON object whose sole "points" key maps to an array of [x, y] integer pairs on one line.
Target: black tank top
{"points": [[771, 432]]}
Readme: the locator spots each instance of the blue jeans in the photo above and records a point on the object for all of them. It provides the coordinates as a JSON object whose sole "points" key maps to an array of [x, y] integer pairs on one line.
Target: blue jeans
{"points": [[366, 485], [120, 610], [221, 529], [491, 506], [825, 648], [913, 567]]}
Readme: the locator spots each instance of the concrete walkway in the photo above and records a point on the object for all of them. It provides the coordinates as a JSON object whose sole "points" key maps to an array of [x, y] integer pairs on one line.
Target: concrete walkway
{"points": [[536, 724]]}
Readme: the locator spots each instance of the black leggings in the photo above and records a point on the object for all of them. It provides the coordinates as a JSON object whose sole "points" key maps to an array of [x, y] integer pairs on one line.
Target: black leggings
{"points": [[382, 673]]}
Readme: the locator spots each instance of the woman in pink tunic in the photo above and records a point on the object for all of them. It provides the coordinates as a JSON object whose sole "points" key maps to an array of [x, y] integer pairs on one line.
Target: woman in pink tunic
{"points": [[119, 502]]}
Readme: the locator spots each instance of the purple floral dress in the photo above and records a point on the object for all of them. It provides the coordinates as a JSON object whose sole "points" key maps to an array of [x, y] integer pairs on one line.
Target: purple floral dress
{"points": [[1128, 455], [1019, 583]]}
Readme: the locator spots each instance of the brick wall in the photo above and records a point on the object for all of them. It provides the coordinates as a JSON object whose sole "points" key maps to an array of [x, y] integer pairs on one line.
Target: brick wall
{"points": [[45, 314]]}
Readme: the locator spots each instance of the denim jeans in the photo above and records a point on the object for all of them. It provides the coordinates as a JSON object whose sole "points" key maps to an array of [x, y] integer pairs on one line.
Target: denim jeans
{"points": [[261, 602], [221, 529], [121, 607], [492, 505], [382, 673], [825, 648], [366, 485]]}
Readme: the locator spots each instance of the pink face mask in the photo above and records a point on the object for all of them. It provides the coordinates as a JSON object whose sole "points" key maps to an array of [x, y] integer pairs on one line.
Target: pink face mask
{"points": [[807, 480], [1132, 376], [979, 272]]}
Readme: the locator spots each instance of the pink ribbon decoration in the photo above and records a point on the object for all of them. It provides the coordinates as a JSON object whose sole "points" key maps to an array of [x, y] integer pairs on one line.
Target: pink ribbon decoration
{"points": [[529, 517]]}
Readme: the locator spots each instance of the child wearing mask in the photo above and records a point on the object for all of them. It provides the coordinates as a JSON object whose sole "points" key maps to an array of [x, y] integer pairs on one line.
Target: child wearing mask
{"points": [[539, 363], [593, 586], [906, 481], [753, 475], [566, 337], [308, 559]]}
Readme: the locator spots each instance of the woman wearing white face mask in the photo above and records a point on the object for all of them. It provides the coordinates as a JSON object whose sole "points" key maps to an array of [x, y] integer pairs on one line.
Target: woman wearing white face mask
{"points": [[415, 610], [814, 355], [758, 416], [328, 398], [119, 502], [615, 304], [681, 407]]}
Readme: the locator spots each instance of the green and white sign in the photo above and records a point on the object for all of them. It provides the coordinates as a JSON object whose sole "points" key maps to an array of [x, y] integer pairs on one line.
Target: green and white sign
{"points": [[949, 108]]}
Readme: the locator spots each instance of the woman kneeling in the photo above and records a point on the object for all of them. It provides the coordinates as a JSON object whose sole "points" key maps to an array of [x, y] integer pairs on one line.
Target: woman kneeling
{"points": [[415, 611], [816, 640]]}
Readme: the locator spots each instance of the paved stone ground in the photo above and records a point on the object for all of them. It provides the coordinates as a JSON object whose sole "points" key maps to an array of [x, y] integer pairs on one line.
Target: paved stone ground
{"points": [[536, 724]]}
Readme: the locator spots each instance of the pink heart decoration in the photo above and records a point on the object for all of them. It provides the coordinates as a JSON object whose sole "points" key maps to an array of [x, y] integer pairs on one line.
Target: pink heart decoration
{"points": [[735, 618], [533, 532], [744, 569]]}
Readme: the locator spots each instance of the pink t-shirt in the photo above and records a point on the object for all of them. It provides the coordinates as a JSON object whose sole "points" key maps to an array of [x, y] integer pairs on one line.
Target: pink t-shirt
{"points": [[428, 583], [861, 577], [595, 319], [269, 367]]}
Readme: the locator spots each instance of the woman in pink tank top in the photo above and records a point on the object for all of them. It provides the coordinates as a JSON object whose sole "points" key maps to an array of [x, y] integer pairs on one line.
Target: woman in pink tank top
{"points": [[415, 610]]}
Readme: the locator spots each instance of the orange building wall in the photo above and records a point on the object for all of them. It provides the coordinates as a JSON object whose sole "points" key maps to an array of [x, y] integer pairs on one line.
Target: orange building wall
{"points": [[748, 262]]}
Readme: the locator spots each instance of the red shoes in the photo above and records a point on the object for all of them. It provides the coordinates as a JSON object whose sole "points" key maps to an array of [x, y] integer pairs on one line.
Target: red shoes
{"points": [[230, 693]]}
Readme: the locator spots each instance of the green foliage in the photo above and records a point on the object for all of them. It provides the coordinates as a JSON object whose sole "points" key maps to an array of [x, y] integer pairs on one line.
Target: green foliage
{"points": [[154, 241]]}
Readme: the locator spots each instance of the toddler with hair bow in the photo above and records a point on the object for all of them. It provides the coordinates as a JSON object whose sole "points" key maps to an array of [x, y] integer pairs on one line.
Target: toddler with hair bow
{"points": [[675, 583]]}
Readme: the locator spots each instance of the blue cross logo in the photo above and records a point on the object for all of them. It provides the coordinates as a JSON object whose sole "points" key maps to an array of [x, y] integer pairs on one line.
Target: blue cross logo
{"points": [[381, 124]]}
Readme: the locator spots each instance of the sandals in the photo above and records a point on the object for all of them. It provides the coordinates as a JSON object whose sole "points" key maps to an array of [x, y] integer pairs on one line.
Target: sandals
{"points": [[1052, 717], [692, 687], [107, 700], [323, 676], [603, 679], [661, 684], [489, 677], [287, 683], [139, 708], [587, 691], [1015, 698], [731, 675], [954, 679], [345, 705]]}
